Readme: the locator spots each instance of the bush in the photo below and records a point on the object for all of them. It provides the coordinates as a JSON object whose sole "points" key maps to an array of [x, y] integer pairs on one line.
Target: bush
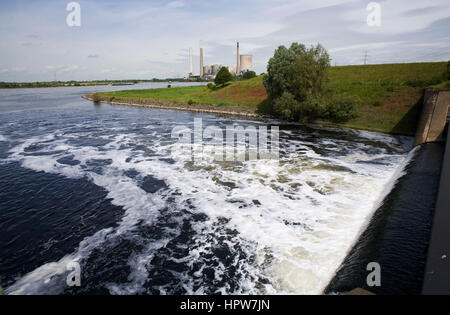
{"points": [[169, 86], [249, 75], [286, 107], [342, 107], [223, 77], [96, 98], [376, 103], [210, 86], [296, 82], [448, 70], [191, 102], [297, 70], [312, 108]]}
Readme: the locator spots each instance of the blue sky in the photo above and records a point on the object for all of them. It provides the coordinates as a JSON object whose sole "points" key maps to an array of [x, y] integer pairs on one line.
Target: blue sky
{"points": [[146, 39]]}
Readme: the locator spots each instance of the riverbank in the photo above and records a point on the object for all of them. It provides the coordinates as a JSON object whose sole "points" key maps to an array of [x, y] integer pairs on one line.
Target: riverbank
{"points": [[208, 109], [391, 95]]}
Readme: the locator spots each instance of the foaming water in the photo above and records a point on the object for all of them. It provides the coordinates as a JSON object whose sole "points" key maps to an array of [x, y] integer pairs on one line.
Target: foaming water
{"points": [[203, 227]]}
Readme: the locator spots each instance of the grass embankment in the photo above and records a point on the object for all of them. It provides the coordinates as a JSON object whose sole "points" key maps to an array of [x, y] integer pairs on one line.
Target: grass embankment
{"points": [[391, 95]]}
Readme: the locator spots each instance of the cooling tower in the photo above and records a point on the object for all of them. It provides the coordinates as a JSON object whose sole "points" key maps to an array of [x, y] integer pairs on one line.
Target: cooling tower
{"points": [[201, 58], [246, 63]]}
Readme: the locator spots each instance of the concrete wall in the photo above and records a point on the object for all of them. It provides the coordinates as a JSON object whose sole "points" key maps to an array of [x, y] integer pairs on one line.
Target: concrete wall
{"points": [[434, 116], [437, 276]]}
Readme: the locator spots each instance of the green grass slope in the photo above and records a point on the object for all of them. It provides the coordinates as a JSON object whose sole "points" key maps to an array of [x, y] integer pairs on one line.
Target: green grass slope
{"points": [[391, 94]]}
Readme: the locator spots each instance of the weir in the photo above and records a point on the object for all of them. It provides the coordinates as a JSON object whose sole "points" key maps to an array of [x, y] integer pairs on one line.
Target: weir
{"points": [[433, 127], [437, 276], [409, 234]]}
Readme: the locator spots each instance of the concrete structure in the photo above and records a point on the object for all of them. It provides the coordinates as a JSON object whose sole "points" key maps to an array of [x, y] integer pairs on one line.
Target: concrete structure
{"points": [[246, 63], [434, 122], [201, 59], [434, 116], [238, 71], [437, 274]]}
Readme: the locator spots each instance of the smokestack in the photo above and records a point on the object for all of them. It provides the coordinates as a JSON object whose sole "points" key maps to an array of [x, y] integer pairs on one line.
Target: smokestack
{"points": [[238, 71], [191, 68], [201, 58]]}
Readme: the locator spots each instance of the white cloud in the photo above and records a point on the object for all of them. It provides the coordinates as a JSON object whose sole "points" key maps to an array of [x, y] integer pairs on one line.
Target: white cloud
{"points": [[176, 4], [152, 38]]}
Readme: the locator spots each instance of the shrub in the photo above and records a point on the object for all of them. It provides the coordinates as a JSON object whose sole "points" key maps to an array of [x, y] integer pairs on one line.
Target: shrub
{"points": [[96, 98], [210, 86], [249, 75], [297, 70], [286, 107], [169, 86], [223, 77], [342, 107], [312, 108], [296, 82], [191, 102], [376, 103], [448, 70]]}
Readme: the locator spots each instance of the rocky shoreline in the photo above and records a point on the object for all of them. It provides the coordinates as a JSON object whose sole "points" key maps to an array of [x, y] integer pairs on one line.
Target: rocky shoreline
{"points": [[208, 109]]}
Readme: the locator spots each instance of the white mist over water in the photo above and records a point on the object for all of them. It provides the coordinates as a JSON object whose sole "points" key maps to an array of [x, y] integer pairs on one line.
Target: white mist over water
{"points": [[296, 219]]}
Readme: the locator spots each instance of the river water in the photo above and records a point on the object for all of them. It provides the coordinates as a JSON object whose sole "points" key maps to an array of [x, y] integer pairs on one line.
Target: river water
{"points": [[97, 185]]}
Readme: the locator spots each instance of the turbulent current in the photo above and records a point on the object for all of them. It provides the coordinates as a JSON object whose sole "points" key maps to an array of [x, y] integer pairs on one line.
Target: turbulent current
{"points": [[98, 185]]}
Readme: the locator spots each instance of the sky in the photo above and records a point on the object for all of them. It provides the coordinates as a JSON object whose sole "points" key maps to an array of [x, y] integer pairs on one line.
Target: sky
{"points": [[134, 39]]}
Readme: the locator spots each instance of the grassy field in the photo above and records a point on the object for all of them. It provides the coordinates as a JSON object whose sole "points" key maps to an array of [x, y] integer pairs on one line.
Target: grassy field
{"points": [[391, 95]]}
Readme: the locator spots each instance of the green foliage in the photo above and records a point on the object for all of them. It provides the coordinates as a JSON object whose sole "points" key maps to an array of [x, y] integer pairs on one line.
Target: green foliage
{"points": [[310, 73], [342, 107], [249, 75], [376, 103], [169, 86], [210, 86], [286, 106], [223, 77], [312, 108], [191, 102], [448, 70], [296, 82], [279, 71]]}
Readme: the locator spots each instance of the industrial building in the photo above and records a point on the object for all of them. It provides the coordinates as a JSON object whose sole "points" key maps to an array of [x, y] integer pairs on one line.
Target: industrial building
{"points": [[244, 63]]}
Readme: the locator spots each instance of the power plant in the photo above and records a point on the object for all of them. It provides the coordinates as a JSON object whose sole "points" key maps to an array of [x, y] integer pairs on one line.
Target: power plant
{"points": [[191, 64], [201, 59], [244, 63], [238, 71]]}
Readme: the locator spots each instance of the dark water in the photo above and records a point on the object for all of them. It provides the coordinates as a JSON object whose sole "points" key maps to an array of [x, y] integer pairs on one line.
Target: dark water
{"points": [[101, 186]]}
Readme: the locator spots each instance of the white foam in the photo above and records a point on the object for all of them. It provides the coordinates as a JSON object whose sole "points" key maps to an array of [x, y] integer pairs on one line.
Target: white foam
{"points": [[307, 216]]}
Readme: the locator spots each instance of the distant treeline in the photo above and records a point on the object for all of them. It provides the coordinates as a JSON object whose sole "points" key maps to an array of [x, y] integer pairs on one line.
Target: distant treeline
{"points": [[6, 85]]}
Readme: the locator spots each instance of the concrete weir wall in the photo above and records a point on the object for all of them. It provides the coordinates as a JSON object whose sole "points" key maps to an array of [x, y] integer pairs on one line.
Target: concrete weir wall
{"points": [[435, 115], [433, 127]]}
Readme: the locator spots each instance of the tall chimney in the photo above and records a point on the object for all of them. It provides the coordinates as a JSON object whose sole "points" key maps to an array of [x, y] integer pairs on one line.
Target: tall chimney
{"points": [[191, 68], [238, 71], [201, 59]]}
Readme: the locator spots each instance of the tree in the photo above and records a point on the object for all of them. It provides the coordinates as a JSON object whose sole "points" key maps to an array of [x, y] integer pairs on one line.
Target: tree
{"points": [[296, 84], [223, 77], [249, 75], [279, 71]]}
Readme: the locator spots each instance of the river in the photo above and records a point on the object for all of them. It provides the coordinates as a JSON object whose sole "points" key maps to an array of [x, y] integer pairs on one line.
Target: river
{"points": [[97, 185]]}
